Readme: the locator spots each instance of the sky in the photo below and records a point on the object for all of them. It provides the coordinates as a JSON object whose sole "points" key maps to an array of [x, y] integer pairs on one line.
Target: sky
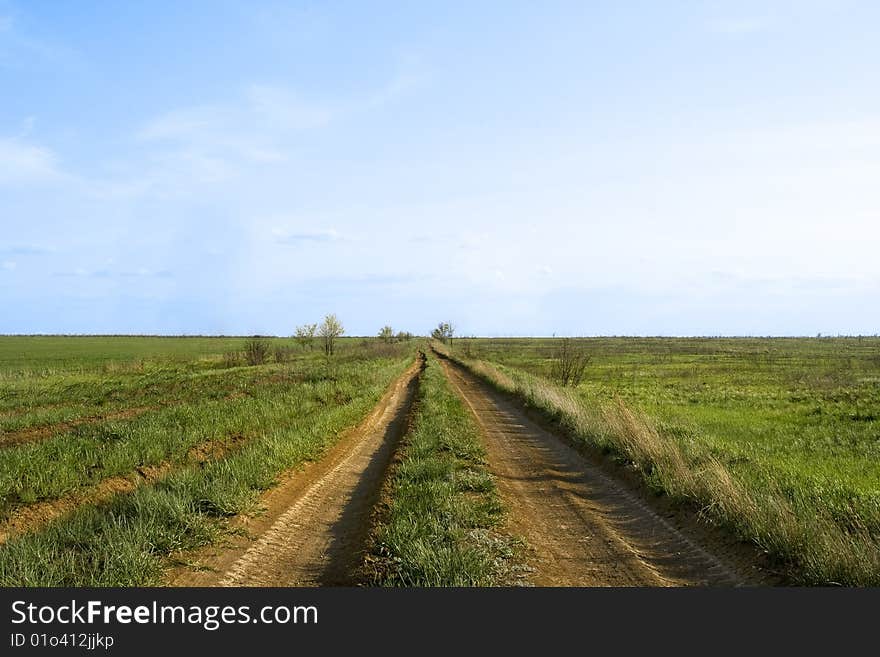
{"points": [[514, 168]]}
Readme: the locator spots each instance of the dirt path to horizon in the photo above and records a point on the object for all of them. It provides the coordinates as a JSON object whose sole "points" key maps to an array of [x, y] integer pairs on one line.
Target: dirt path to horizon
{"points": [[581, 526], [316, 522]]}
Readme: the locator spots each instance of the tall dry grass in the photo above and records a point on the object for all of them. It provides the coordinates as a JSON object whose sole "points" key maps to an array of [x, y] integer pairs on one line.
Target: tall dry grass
{"points": [[801, 536]]}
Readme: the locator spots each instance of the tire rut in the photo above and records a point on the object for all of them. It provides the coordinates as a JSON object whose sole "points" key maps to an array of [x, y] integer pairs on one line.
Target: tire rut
{"points": [[581, 526], [315, 530]]}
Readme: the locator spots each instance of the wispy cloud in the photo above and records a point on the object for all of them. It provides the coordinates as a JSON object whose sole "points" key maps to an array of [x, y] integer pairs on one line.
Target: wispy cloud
{"points": [[393, 89], [281, 236], [106, 273], [247, 124], [23, 162], [143, 272], [285, 110], [21, 50], [25, 249], [8, 265]]}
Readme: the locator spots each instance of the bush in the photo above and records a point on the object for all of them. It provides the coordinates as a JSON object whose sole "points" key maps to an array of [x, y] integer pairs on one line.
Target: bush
{"points": [[569, 363], [256, 351]]}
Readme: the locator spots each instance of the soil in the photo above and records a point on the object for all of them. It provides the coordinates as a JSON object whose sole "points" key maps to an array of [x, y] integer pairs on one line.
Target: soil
{"points": [[314, 525], [582, 526]]}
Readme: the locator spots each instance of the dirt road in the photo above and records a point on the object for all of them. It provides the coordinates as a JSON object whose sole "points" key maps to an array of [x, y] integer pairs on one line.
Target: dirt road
{"points": [[582, 527], [317, 520]]}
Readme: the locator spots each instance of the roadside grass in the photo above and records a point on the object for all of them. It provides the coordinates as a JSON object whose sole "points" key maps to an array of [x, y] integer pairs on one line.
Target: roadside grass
{"points": [[813, 506], [442, 524], [129, 540]]}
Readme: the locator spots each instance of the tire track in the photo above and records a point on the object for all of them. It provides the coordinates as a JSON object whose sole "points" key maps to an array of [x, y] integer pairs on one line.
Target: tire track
{"points": [[582, 527], [316, 526]]}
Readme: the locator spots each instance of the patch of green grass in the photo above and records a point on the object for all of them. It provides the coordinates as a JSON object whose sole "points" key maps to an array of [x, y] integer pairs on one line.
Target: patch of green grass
{"points": [[441, 527]]}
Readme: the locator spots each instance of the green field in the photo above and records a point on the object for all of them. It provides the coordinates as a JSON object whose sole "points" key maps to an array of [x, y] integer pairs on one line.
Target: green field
{"points": [[118, 454], [794, 423], [77, 413]]}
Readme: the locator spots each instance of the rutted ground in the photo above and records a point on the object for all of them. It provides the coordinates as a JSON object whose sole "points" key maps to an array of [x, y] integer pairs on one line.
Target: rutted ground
{"points": [[31, 517], [316, 522], [581, 527]]}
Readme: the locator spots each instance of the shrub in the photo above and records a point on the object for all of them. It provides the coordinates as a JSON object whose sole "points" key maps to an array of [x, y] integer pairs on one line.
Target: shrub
{"points": [[569, 363], [256, 351]]}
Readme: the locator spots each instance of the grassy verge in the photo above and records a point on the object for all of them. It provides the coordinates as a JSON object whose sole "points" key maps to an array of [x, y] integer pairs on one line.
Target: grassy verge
{"points": [[127, 542], [441, 526], [815, 538]]}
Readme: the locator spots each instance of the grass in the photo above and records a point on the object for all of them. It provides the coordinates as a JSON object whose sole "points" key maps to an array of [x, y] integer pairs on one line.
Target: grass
{"points": [[287, 414], [28, 356], [776, 439], [441, 528]]}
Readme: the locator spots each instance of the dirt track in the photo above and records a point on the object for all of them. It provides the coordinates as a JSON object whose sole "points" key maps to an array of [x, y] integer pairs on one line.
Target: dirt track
{"points": [[317, 520], [582, 527]]}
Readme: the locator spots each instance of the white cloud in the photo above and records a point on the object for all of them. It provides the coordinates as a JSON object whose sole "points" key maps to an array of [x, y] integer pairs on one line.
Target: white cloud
{"points": [[282, 236], [251, 123], [21, 162], [8, 265]]}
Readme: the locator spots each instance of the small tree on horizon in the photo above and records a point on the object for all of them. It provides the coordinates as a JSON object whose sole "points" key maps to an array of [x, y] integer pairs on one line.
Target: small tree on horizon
{"points": [[443, 332], [305, 335], [386, 333], [331, 328]]}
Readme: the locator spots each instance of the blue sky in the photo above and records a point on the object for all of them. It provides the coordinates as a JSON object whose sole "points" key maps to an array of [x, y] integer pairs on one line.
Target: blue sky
{"points": [[584, 168]]}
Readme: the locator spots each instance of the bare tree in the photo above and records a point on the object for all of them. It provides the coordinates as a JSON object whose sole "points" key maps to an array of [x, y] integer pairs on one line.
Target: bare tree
{"points": [[387, 334], [330, 329], [443, 332], [404, 336], [305, 335], [569, 363]]}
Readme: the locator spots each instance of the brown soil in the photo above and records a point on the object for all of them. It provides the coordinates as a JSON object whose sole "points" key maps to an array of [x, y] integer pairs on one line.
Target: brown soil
{"points": [[314, 526], [582, 527], [30, 517]]}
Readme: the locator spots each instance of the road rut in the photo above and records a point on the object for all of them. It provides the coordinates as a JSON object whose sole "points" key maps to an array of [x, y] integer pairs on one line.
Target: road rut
{"points": [[317, 520], [582, 527]]}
